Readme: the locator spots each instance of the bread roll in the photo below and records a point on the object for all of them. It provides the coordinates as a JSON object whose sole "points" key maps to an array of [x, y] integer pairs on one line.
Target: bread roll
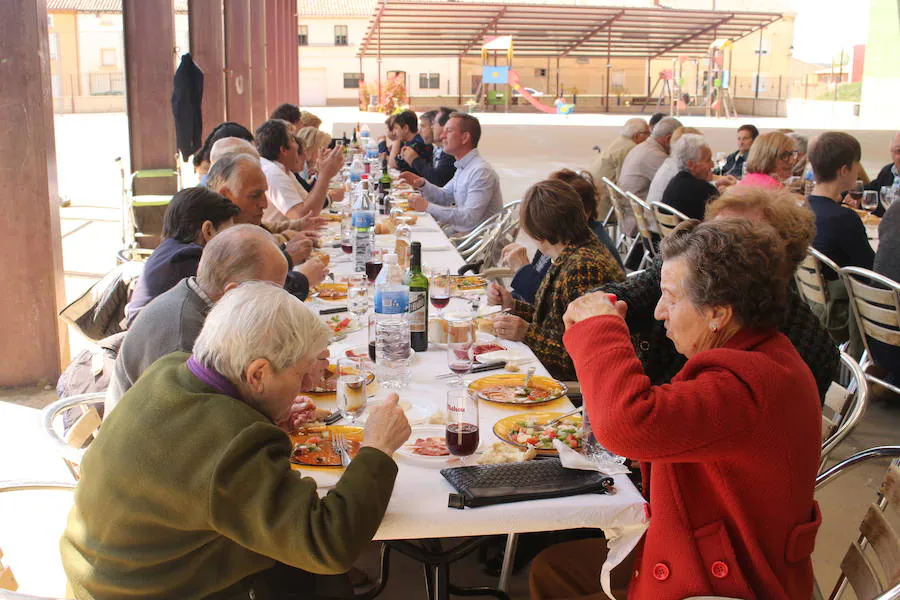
{"points": [[437, 330]]}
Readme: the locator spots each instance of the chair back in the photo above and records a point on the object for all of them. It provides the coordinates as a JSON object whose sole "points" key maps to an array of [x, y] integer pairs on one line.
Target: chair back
{"points": [[71, 443], [871, 565], [811, 282], [845, 405], [626, 226], [646, 223], [667, 218], [875, 303]]}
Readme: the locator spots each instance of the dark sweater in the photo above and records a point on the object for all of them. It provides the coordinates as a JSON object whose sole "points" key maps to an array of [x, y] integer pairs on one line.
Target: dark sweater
{"points": [[662, 361], [422, 149], [171, 262], [439, 170], [840, 235], [689, 195]]}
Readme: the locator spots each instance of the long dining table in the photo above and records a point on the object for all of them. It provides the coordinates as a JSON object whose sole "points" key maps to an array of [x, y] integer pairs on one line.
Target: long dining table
{"points": [[419, 509]]}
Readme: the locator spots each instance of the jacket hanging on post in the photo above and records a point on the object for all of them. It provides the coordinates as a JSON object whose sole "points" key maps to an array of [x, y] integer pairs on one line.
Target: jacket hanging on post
{"points": [[187, 94]]}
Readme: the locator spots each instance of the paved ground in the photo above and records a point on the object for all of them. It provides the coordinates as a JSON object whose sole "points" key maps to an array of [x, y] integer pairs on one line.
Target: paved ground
{"points": [[522, 147]]}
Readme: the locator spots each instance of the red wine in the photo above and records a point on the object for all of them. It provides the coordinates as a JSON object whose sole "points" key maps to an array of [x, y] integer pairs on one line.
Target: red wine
{"points": [[372, 270], [372, 351], [460, 367], [347, 248], [440, 302], [856, 195], [462, 439]]}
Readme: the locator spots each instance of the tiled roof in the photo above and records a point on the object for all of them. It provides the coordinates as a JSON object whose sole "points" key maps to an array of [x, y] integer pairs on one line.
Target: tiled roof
{"points": [[100, 6], [336, 8]]}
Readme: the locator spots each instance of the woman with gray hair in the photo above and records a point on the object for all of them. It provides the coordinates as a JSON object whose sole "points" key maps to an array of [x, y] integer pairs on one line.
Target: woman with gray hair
{"points": [[690, 190], [188, 490], [729, 449]]}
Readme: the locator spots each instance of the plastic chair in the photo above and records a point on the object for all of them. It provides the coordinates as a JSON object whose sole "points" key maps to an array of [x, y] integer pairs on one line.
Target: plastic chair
{"points": [[72, 443], [667, 218], [142, 214], [646, 223], [845, 405], [875, 303], [626, 226], [811, 282]]}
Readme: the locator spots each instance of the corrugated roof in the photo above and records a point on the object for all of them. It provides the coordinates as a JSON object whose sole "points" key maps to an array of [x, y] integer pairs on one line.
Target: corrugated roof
{"points": [[336, 8], [99, 6]]}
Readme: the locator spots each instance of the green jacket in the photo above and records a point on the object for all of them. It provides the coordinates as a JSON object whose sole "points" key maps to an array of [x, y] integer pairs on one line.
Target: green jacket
{"points": [[186, 493]]}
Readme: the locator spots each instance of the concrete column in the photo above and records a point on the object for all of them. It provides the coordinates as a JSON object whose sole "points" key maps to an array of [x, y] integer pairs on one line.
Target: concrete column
{"points": [[149, 68], [258, 83], [292, 52], [273, 57], [34, 343], [207, 26], [237, 62]]}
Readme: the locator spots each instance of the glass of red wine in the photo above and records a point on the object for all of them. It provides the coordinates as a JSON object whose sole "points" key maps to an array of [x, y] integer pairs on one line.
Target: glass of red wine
{"points": [[460, 347], [462, 422], [346, 235], [373, 265], [440, 289]]}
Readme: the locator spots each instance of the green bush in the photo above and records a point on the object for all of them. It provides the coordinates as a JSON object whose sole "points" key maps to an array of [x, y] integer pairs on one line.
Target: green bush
{"points": [[846, 92]]}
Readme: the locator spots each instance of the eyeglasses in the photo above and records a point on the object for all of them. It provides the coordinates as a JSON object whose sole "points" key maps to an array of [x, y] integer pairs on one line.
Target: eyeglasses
{"points": [[790, 153]]}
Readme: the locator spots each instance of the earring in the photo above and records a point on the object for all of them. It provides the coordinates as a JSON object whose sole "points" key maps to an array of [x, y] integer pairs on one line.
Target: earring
{"points": [[714, 326]]}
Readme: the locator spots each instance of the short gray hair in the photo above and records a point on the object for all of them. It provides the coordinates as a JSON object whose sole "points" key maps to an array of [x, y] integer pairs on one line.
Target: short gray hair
{"points": [[226, 170], [235, 255], [802, 142], [666, 126], [231, 145], [689, 147], [259, 320], [634, 126]]}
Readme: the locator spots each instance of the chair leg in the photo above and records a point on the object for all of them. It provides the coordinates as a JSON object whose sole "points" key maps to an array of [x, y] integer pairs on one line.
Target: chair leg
{"points": [[509, 560]]}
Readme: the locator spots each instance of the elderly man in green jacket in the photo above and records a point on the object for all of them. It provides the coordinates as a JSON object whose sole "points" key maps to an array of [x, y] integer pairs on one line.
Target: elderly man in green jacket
{"points": [[188, 490]]}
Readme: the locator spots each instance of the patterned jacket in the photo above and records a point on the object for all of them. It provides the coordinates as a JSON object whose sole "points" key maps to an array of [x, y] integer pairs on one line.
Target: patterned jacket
{"points": [[660, 359], [578, 269]]}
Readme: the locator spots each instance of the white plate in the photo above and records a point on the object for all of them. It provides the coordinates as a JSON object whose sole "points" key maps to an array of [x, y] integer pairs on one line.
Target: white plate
{"points": [[425, 431], [353, 327], [500, 356]]}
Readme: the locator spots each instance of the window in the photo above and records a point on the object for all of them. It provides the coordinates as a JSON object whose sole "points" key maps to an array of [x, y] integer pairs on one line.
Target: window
{"points": [[54, 46], [50, 21], [108, 57], [540, 72], [340, 35], [351, 80], [429, 81], [303, 37]]}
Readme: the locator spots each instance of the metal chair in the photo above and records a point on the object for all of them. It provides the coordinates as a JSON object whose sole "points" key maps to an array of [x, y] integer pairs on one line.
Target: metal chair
{"points": [[142, 212], [626, 226], [646, 223], [811, 282], [72, 443], [875, 303], [845, 405], [667, 218]]}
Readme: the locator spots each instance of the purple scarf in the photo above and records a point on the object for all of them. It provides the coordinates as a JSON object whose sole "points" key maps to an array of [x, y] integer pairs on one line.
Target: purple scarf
{"points": [[212, 378]]}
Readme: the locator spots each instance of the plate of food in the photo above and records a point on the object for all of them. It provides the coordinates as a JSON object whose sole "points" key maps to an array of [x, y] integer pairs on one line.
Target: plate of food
{"points": [[313, 446], [490, 348], [330, 292], [328, 383], [427, 446], [509, 388], [468, 283], [528, 430], [342, 324]]}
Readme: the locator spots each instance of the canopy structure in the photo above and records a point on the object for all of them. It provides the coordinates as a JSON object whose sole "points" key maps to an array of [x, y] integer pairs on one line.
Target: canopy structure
{"points": [[420, 28]]}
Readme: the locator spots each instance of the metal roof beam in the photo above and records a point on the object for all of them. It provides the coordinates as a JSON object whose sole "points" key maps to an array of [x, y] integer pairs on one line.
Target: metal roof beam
{"points": [[600, 27], [487, 27], [375, 24], [694, 36]]}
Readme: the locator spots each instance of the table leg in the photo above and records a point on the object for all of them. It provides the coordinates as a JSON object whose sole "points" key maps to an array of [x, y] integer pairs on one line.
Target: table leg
{"points": [[441, 582], [509, 561]]}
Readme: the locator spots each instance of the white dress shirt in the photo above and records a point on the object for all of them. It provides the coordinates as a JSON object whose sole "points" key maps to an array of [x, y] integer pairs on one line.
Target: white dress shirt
{"points": [[285, 192], [471, 197]]}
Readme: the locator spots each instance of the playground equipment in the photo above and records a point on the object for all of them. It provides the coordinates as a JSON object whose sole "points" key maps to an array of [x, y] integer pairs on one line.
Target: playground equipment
{"points": [[719, 101]]}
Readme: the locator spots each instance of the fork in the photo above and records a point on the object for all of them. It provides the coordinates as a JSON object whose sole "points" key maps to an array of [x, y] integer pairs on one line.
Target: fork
{"points": [[340, 444]]}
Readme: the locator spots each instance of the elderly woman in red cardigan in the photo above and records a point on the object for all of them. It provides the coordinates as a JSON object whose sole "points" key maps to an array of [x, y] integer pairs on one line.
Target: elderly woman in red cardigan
{"points": [[729, 449]]}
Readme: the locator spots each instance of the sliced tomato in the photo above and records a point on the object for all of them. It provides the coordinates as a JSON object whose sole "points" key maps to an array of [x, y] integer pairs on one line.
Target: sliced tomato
{"points": [[343, 324]]}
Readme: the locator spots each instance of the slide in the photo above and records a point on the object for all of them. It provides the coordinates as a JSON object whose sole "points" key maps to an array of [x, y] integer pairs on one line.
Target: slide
{"points": [[564, 109]]}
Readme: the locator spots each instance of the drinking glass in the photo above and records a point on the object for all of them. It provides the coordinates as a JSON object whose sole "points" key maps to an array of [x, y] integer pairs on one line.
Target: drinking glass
{"points": [[351, 387], [347, 235], [374, 264], [887, 196], [856, 192], [358, 296], [869, 200], [462, 422], [460, 347], [440, 289]]}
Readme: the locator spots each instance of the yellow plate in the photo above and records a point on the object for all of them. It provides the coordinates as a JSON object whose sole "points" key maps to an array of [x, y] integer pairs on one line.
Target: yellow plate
{"points": [[482, 387], [335, 292], [504, 427], [329, 458], [470, 282]]}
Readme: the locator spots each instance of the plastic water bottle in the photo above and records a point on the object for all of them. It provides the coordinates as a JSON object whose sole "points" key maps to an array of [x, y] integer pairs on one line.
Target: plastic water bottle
{"points": [[356, 169], [371, 149], [362, 220], [364, 131], [392, 344]]}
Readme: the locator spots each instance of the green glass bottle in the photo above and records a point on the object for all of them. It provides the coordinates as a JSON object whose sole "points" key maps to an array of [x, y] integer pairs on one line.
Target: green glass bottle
{"points": [[384, 189], [418, 300]]}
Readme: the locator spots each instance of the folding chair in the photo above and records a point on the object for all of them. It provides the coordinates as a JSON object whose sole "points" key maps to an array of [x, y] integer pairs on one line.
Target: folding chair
{"points": [[626, 226], [667, 218], [846, 402], [875, 303], [646, 223], [72, 443], [811, 282]]}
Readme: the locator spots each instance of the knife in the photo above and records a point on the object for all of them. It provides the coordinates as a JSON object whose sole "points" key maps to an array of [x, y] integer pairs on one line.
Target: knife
{"points": [[479, 369], [333, 311]]}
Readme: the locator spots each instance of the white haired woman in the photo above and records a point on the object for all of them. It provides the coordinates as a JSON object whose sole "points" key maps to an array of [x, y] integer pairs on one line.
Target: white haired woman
{"points": [[691, 189], [188, 490]]}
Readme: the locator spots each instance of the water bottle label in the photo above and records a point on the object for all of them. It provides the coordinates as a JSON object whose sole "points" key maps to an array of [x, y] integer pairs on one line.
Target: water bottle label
{"points": [[363, 220], [417, 306], [391, 302]]}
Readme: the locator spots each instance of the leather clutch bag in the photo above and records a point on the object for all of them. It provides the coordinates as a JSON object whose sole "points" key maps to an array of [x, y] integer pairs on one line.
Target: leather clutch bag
{"points": [[483, 485]]}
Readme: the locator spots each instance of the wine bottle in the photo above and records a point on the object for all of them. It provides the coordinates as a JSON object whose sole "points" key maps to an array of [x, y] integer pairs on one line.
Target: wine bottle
{"points": [[418, 300], [384, 189]]}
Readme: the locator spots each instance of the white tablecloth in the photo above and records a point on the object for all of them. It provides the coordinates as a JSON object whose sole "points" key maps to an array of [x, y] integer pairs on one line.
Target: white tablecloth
{"points": [[418, 507]]}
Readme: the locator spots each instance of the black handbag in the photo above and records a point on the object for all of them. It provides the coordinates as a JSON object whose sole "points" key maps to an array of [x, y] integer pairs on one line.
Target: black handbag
{"points": [[483, 485]]}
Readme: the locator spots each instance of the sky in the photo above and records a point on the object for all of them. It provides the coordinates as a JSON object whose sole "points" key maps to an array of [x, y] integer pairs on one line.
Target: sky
{"points": [[824, 26]]}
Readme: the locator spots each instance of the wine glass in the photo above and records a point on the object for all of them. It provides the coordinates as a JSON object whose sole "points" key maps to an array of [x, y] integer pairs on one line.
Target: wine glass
{"points": [[887, 196], [347, 235], [856, 192], [351, 387], [440, 289], [869, 200], [357, 296], [462, 422], [460, 347], [374, 264]]}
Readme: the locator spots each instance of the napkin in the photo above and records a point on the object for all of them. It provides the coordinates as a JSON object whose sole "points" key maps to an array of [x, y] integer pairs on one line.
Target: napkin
{"points": [[571, 459]]}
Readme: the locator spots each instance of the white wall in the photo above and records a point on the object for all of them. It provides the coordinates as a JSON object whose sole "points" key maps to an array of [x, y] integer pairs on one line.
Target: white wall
{"points": [[99, 31]]}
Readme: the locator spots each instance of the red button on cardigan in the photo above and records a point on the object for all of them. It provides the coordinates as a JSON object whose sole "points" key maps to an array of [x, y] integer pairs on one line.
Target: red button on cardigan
{"points": [[661, 571], [719, 569]]}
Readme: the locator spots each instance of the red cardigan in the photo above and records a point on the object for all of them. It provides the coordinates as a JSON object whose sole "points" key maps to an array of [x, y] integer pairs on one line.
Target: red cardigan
{"points": [[729, 452]]}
